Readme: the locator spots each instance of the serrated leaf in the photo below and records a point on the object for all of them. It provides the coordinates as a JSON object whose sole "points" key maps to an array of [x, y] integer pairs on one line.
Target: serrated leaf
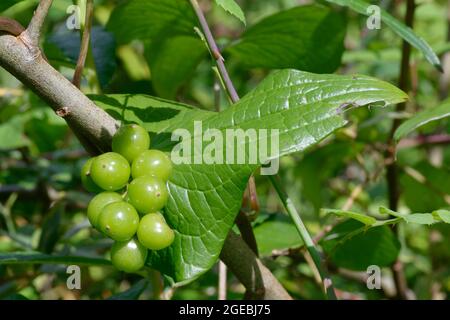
{"points": [[376, 246], [204, 199], [398, 27], [365, 219], [298, 38], [444, 215], [420, 218], [30, 257], [148, 19], [422, 118], [232, 7]]}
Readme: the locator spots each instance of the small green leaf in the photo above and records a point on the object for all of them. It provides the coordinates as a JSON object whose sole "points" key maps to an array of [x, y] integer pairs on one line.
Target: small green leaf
{"points": [[232, 7], [30, 257], [298, 38], [443, 215], [420, 218], [11, 134], [429, 115], [367, 220], [398, 27], [384, 210], [376, 246], [276, 233], [51, 229]]}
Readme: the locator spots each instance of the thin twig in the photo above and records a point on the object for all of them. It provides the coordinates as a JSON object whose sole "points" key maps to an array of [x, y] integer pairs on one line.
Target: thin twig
{"points": [[33, 31], [423, 140], [304, 234], [215, 52], [85, 41]]}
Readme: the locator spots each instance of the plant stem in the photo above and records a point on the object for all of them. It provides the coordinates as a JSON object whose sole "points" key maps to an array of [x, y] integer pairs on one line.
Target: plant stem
{"points": [[242, 221], [231, 91], [304, 234], [392, 168], [85, 41], [222, 285], [215, 52], [33, 31]]}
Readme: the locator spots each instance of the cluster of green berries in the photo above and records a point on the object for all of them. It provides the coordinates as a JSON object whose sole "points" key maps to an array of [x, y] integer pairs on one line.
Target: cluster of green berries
{"points": [[129, 212]]}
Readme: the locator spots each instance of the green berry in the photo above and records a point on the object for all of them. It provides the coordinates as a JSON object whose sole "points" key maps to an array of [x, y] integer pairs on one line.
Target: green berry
{"points": [[99, 202], [147, 194], [130, 140], [110, 171], [154, 233], [86, 178], [119, 221], [152, 162], [128, 256]]}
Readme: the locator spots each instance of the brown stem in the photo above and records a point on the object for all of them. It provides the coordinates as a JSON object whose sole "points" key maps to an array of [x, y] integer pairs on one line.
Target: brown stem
{"points": [[251, 272], [97, 127], [246, 230], [33, 32], [215, 52], [85, 40]]}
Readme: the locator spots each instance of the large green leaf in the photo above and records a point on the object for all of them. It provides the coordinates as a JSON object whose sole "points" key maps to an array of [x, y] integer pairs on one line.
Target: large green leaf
{"points": [[204, 199], [147, 19], [298, 38], [172, 61], [433, 114], [399, 28]]}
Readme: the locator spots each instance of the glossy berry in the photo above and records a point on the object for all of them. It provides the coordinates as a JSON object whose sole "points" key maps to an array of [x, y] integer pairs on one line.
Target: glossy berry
{"points": [[86, 178], [99, 202], [128, 256], [154, 233], [147, 194], [119, 221], [130, 140], [152, 162], [110, 171]]}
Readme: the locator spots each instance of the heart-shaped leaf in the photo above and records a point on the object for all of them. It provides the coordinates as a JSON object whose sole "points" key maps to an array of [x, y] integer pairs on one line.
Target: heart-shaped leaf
{"points": [[205, 198]]}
